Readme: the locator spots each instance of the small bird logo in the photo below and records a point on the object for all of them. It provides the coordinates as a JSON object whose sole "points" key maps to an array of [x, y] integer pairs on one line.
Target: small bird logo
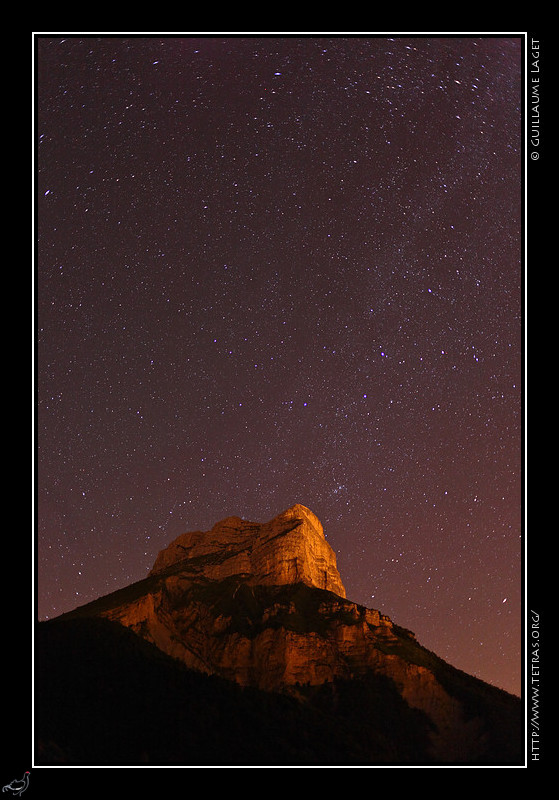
{"points": [[17, 787]]}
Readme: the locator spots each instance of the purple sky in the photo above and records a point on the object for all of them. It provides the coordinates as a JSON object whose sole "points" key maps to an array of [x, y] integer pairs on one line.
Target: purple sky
{"points": [[279, 269]]}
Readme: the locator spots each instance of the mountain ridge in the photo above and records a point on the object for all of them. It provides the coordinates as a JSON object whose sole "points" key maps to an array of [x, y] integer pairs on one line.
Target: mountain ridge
{"points": [[263, 607]]}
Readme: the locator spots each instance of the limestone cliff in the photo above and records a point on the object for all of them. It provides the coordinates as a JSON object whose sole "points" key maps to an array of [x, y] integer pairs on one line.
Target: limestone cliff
{"points": [[291, 548], [263, 605]]}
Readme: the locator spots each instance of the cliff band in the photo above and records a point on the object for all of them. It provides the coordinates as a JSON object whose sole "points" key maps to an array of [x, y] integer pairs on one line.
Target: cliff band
{"points": [[291, 548], [263, 606]]}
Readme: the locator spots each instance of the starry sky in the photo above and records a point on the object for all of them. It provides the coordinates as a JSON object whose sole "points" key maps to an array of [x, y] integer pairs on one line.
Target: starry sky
{"points": [[286, 268]]}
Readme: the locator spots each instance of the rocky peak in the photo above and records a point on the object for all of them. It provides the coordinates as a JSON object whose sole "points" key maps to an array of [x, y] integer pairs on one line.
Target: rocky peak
{"points": [[262, 605], [291, 548]]}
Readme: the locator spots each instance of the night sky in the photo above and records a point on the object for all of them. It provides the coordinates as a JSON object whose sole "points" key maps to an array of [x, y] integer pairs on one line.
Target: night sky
{"points": [[286, 268]]}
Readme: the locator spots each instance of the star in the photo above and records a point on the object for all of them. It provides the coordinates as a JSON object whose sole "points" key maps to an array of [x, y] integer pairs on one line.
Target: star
{"points": [[285, 268]]}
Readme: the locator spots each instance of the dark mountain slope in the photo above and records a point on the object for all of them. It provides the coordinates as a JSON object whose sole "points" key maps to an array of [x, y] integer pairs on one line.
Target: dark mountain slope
{"points": [[105, 697]]}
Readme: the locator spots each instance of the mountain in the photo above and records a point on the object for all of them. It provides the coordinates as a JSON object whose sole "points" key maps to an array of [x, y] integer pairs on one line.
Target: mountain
{"points": [[240, 646]]}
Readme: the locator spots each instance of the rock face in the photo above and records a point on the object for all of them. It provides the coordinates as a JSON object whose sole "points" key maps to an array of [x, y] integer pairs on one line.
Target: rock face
{"points": [[291, 548], [263, 606]]}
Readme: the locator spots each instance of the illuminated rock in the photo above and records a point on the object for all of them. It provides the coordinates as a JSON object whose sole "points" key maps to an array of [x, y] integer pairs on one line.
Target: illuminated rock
{"points": [[263, 605], [291, 548]]}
